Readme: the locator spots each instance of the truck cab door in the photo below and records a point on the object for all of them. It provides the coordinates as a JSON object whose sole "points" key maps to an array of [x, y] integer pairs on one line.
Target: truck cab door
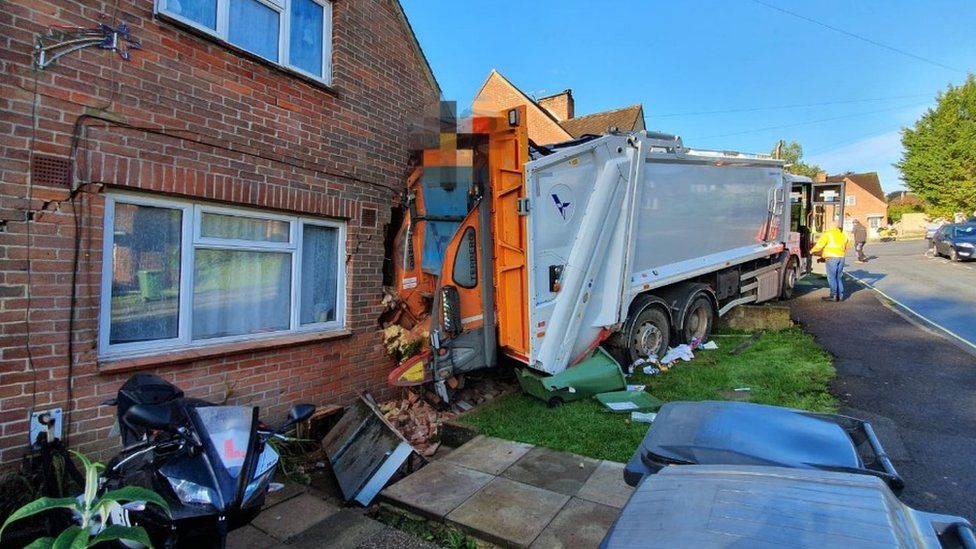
{"points": [[462, 328]]}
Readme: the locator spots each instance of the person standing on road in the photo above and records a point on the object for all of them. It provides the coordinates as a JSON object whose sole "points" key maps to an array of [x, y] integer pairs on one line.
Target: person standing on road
{"points": [[860, 237], [832, 246]]}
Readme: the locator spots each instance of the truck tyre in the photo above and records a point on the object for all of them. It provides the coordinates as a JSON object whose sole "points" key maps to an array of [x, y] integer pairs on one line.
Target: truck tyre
{"points": [[698, 320], [790, 277], [649, 334]]}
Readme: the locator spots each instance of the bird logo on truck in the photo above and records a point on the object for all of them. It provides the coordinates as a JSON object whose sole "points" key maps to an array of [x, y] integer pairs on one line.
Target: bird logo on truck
{"points": [[560, 205]]}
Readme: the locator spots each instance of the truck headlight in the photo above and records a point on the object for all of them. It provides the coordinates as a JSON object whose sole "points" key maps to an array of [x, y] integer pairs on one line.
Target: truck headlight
{"points": [[191, 492]]}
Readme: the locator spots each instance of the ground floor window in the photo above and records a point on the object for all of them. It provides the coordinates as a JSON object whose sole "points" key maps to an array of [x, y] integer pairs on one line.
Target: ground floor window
{"points": [[182, 274]]}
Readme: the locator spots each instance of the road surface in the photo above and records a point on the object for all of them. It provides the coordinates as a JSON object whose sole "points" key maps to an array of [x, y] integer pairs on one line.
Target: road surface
{"points": [[936, 289]]}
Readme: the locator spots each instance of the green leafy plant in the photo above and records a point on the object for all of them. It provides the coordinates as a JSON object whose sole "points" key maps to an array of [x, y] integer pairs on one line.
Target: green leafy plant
{"points": [[92, 513]]}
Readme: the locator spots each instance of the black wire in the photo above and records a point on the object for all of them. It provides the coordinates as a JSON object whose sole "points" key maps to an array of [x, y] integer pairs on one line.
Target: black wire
{"points": [[796, 106], [756, 130], [858, 36], [173, 133]]}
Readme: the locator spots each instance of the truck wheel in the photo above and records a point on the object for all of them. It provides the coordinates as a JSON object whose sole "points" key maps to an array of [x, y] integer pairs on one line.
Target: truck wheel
{"points": [[649, 334], [698, 320], [790, 277]]}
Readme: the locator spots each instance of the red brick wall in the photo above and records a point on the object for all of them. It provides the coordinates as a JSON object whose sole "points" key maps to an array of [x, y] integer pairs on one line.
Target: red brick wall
{"points": [[205, 122], [561, 105], [498, 95]]}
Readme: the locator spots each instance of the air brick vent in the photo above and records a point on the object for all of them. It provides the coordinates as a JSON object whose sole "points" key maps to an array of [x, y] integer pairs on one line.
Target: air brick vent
{"points": [[50, 171]]}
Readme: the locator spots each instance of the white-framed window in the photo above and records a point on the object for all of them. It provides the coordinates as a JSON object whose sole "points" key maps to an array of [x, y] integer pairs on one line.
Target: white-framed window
{"points": [[178, 274], [850, 200], [296, 34]]}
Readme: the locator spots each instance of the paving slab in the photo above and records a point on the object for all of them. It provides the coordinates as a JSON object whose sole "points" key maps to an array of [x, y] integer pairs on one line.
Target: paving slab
{"points": [[347, 529], [508, 513], [556, 471], [249, 537], [289, 518], [288, 491], [579, 525], [488, 455], [437, 489], [606, 485]]}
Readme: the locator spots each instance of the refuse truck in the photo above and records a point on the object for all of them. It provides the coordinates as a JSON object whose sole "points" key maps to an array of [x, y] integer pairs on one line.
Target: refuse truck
{"points": [[629, 241]]}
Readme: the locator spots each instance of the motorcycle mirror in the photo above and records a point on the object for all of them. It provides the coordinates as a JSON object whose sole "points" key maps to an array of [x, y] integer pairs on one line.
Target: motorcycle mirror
{"points": [[151, 416], [299, 413]]}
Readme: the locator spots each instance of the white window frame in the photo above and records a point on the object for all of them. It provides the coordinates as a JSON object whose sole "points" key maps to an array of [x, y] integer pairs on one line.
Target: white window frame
{"points": [[192, 241], [283, 7], [850, 200]]}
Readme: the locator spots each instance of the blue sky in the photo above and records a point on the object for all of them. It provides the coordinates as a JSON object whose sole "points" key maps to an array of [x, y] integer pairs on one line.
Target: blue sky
{"points": [[683, 58]]}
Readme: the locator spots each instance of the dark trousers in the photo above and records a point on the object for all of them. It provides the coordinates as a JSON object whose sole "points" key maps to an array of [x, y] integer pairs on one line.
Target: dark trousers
{"points": [[859, 248]]}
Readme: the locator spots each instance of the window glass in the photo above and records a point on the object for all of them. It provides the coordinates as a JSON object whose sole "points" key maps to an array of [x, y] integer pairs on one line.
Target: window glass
{"points": [[466, 262], [203, 12], [238, 227], [320, 248], [145, 273], [305, 49], [254, 27], [240, 292]]}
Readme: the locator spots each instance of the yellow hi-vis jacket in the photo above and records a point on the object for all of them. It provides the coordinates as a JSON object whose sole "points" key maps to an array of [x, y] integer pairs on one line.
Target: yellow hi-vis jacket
{"points": [[833, 243]]}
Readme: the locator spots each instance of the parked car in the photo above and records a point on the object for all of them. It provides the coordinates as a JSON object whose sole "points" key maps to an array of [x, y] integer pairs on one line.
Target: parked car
{"points": [[957, 241]]}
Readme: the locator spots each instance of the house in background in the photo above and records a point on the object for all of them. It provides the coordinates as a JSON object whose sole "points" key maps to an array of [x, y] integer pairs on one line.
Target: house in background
{"points": [[210, 210], [864, 200], [552, 119]]}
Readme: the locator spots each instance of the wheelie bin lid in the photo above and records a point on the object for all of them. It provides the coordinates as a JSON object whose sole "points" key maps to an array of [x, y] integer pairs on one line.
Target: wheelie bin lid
{"points": [[705, 506], [742, 433]]}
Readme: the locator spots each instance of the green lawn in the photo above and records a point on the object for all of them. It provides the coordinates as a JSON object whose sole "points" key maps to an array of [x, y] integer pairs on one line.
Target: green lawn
{"points": [[784, 368]]}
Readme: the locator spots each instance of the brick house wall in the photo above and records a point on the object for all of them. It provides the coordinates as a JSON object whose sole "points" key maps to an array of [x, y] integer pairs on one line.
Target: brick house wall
{"points": [[865, 205], [189, 117], [498, 94]]}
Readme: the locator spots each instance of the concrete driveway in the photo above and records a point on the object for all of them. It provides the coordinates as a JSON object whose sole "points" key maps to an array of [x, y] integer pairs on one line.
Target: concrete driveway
{"points": [[916, 388], [940, 291]]}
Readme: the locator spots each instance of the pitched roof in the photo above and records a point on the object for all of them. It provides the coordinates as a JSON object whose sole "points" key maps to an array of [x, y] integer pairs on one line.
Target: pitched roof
{"points": [[627, 118], [428, 71], [868, 181], [527, 100]]}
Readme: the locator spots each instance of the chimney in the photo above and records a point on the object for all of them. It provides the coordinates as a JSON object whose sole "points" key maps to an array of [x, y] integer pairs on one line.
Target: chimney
{"points": [[560, 105]]}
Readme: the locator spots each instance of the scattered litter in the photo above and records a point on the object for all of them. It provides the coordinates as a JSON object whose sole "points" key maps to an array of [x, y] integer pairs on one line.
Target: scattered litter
{"points": [[651, 370], [464, 405], [742, 389], [681, 352], [643, 417], [626, 401], [636, 387], [710, 345]]}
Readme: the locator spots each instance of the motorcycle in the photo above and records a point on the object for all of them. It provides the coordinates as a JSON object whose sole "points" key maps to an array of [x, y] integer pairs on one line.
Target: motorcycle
{"points": [[211, 463]]}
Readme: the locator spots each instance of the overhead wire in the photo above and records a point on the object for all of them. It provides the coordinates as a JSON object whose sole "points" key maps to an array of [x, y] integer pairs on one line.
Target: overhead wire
{"points": [[859, 37], [806, 122], [793, 106]]}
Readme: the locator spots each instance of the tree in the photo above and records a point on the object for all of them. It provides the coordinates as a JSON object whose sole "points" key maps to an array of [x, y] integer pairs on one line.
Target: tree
{"points": [[792, 154], [939, 158]]}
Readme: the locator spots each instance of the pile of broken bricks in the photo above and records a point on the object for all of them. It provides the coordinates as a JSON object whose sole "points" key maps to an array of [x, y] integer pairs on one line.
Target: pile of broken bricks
{"points": [[419, 421]]}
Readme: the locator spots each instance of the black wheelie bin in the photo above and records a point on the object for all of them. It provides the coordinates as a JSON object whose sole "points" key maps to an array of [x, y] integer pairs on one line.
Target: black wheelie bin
{"points": [[741, 433]]}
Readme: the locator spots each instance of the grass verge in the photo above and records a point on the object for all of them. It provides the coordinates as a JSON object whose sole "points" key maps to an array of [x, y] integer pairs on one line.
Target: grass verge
{"points": [[785, 368]]}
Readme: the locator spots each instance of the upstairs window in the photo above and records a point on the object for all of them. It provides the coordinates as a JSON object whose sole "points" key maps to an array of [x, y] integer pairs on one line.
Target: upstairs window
{"points": [[850, 200], [293, 33]]}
